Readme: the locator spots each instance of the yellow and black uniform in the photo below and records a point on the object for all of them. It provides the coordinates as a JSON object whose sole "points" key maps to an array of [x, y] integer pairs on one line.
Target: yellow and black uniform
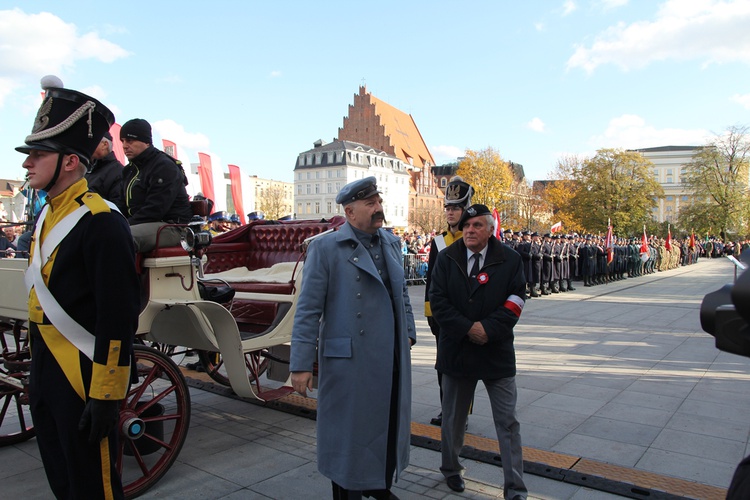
{"points": [[91, 274], [439, 242]]}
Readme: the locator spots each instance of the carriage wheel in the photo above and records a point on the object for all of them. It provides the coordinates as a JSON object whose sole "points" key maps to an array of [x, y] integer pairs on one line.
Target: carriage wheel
{"points": [[175, 353], [255, 361], [15, 416], [154, 421]]}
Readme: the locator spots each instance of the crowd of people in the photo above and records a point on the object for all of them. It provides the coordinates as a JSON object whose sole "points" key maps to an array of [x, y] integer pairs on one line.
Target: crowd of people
{"points": [[553, 261]]}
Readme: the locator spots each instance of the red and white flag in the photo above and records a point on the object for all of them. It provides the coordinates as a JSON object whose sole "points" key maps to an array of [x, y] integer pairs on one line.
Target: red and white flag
{"points": [[644, 245], [668, 244], [117, 144], [207, 179], [556, 227], [498, 226], [170, 148], [609, 244], [235, 177]]}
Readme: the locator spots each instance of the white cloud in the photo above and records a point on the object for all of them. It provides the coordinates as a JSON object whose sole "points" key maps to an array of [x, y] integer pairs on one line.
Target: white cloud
{"points": [[711, 31], [34, 45], [742, 99], [536, 124], [568, 7], [173, 131], [612, 4], [446, 154], [539, 26], [275, 74], [632, 132]]}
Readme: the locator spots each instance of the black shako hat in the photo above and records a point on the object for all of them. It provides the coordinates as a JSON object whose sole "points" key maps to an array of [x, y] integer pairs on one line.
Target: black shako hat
{"points": [[68, 122], [471, 212], [358, 190], [137, 129], [458, 192]]}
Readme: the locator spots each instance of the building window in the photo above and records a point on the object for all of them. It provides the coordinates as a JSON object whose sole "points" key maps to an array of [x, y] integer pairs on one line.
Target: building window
{"points": [[330, 188], [684, 198], [328, 209], [670, 198], [317, 209], [309, 189], [299, 208], [443, 182], [307, 207], [669, 209], [308, 175], [317, 189], [669, 180], [669, 171], [299, 188]]}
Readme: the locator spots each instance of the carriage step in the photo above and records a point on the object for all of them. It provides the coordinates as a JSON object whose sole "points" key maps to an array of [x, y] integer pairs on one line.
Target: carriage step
{"points": [[274, 394]]}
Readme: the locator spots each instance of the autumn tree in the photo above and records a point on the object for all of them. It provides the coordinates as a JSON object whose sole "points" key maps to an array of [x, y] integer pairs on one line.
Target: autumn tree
{"points": [[558, 194], [273, 203], [718, 179], [489, 174], [617, 185]]}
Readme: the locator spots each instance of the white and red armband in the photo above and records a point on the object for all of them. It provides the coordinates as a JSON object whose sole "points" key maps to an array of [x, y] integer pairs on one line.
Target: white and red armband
{"points": [[514, 304]]}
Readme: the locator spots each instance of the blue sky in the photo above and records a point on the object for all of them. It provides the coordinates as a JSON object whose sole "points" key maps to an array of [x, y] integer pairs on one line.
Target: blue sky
{"points": [[256, 83]]}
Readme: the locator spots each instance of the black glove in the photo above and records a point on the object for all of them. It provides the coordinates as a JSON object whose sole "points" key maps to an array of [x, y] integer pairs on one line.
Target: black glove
{"points": [[99, 418]]}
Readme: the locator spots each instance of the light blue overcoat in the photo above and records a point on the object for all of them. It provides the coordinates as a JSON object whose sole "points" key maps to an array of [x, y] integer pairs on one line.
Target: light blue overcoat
{"points": [[344, 308]]}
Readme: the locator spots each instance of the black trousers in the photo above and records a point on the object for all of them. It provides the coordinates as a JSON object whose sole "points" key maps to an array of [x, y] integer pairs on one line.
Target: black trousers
{"points": [[73, 466]]}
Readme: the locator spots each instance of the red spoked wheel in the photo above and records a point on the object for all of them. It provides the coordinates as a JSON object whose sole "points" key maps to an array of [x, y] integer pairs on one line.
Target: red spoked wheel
{"points": [[154, 421], [255, 361], [15, 416]]}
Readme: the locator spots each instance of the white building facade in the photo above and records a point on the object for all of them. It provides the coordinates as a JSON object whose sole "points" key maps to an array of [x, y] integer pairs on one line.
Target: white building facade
{"points": [[321, 172], [670, 165]]}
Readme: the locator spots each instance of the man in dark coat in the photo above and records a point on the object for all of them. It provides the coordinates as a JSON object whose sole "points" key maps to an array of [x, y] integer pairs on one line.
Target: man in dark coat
{"points": [[104, 176], [477, 302], [355, 319], [83, 302], [457, 198], [154, 189]]}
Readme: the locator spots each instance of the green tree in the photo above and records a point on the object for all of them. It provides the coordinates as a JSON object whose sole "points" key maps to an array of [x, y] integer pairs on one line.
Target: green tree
{"points": [[718, 179], [489, 174], [617, 185]]}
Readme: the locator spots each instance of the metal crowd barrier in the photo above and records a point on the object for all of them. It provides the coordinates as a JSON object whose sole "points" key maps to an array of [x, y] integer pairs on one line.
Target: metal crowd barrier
{"points": [[415, 268]]}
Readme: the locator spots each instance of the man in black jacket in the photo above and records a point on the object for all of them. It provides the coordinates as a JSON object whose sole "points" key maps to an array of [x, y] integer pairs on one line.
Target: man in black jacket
{"points": [[105, 173], [477, 295], [154, 189]]}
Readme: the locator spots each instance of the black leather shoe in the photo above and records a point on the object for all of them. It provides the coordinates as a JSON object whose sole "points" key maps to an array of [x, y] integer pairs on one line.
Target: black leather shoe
{"points": [[456, 483], [437, 420], [379, 494]]}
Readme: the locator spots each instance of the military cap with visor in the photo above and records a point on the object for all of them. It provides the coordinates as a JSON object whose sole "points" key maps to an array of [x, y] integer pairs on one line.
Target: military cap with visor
{"points": [[360, 189]]}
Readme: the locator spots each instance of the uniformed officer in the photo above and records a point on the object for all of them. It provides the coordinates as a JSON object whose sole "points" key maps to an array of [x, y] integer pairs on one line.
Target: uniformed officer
{"points": [[83, 301]]}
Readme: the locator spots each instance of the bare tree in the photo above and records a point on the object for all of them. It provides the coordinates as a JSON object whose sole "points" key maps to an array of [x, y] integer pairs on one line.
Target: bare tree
{"points": [[273, 203]]}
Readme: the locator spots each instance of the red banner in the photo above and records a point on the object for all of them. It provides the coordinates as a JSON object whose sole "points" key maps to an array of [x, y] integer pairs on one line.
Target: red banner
{"points": [[206, 175], [117, 144], [170, 148], [235, 179]]}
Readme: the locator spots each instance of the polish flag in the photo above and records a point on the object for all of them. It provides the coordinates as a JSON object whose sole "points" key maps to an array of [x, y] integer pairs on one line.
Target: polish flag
{"points": [[498, 226], [556, 227], [117, 144], [170, 148], [644, 245], [207, 180], [235, 177], [668, 244]]}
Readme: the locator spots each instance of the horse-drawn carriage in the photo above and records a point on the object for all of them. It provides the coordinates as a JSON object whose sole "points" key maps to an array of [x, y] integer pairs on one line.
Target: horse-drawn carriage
{"points": [[231, 299]]}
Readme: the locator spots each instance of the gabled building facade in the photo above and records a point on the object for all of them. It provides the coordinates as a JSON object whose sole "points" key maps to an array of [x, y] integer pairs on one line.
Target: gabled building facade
{"points": [[376, 123]]}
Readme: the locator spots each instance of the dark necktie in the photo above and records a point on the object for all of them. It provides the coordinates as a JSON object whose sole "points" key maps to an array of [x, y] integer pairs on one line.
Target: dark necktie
{"points": [[475, 270]]}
